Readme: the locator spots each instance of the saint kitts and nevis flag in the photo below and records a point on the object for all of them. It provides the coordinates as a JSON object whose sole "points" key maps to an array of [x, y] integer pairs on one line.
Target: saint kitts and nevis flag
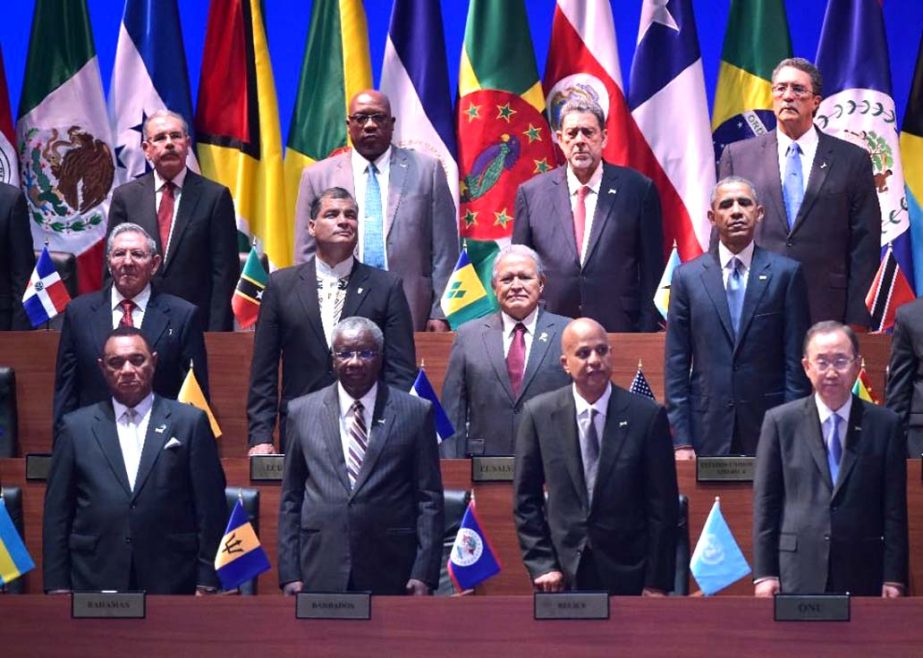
{"points": [[64, 139], [911, 140], [248, 295], [237, 125], [9, 163]]}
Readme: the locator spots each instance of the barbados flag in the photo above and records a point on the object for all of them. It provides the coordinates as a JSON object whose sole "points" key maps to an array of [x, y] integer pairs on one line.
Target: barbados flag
{"points": [[14, 558], [466, 297], [240, 556]]}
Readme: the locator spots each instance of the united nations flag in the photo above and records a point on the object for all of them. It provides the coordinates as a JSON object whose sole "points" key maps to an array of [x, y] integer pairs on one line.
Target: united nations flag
{"points": [[717, 561]]}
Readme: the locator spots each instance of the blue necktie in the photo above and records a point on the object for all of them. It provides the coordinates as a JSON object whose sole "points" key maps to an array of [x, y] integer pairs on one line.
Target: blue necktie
{"points": [[834, 448], [793, 184], [735, 292], [373, 243]]}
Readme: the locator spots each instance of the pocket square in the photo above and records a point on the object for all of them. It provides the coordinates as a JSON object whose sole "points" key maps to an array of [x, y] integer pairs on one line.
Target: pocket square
{"points": [[172, 443]]}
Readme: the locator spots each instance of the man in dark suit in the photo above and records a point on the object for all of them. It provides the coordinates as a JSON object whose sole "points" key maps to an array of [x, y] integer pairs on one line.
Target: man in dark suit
{"points": [[169, 324], [597, 228], [191, 218], [302, 304], [819, 194], [361, 505], [904, 391], [604, 457], [135, 497], [500, 361], [738, 315], [17, 259], [830, 491], [409, 222]]}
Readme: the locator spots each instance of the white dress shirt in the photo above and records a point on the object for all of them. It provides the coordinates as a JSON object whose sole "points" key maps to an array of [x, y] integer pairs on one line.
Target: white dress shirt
{"points": [[824, 412], [137, 313], [808, 144], [346, 403], [178, 182], [583, 413], [745, 257], [132, 434], [360, 182], [509, 325], [328, 279], [573, 186]]}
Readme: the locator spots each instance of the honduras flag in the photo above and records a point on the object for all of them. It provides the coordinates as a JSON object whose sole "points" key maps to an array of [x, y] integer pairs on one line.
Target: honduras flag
{"points": [[415, 78], [717, 561], [45, 294], [149, 74], [423, 389]]}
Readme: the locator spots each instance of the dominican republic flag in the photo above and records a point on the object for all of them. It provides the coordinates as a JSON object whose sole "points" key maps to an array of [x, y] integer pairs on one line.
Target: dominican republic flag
{"points": [[45, 295], [415, 77], [889, 290], [852, 56], [149, 74], [472, 560], [667, 100], [423, 389]]}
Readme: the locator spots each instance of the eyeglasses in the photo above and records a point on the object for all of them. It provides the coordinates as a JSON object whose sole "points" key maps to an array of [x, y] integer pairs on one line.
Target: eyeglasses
{"points": [[840, 364], [362, 119], [362, 355], [800, 91]]}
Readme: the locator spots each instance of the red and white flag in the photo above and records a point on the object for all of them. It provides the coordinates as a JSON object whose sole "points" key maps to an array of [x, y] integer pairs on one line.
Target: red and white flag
{"points": [[9, 163], [889, 291]]}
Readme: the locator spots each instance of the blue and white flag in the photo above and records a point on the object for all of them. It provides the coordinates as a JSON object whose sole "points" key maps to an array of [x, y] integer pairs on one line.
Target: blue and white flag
{"points": [[45, 295], [149, 74], [472, 560], [415, 78], [717, 561], [423, 389]]}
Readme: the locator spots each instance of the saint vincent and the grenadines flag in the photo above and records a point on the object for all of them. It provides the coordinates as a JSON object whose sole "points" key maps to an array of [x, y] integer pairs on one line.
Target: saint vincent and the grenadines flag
{"points": [[237, 125], [911, 140], [468, 294]]}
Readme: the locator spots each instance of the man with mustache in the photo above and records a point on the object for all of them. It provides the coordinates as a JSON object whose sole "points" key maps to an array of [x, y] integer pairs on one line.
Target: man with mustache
{"points": [[737, 317]]}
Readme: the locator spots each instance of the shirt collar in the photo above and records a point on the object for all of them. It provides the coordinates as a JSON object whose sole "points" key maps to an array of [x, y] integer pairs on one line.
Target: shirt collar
{"points": [[824, 412], [142, 408], [140, 300], [601, 405], [745, 256], [509, 322], [338, 271], [382, 162], [346, 400], [807, 142], [177, 180], [595, 180]]}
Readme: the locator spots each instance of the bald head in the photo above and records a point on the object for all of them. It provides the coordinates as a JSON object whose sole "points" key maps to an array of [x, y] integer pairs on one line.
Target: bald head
{"points": [[587, 357]]}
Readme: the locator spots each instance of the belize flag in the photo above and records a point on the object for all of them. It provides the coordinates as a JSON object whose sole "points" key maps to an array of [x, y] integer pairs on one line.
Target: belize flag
{"points": [[472, 560], [45, 295]]}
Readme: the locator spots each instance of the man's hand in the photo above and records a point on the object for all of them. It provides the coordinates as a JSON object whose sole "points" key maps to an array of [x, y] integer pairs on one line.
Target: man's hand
{"points": [[417, 588], [59, 591], [684, 454], [205, 590], [891, 591], [292, 588], [766, 588], [650, 591], [261, 449], [553, 581], [437, 325]]}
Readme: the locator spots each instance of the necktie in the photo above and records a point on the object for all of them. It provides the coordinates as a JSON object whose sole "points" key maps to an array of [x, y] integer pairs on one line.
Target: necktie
{"points": [[735, 293], [516, 358], [834, 448], [131, 452], [589, 451], [340, 297], [165, 215], [358, 442], [127, 307], [373, 243], [793, 185], [580, 219]]}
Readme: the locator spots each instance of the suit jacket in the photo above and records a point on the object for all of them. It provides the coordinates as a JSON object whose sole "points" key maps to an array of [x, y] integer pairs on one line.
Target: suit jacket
{"points": [[615, 285], [718, 383], [476, 390], [202, 265], [17, 259], [421, 232], [170, 326], [816, 535], [383, 531], [631, 524], [836, 236], [904, 390], [97, 530], [290, 328]]}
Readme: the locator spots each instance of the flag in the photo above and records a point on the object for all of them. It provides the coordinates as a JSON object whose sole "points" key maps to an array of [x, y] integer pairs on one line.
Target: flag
{"points": [[423, 389], [45, 295], [249, 292], [852, 56], [191, 393], [466, 297], [911, 141], [336, 67], [667, 100], [503, 138], [472, 560], [237, 125], [639, 385], [240, 556], [717, 560], [889, 291], [415, 78], [149, 75], [863, 386], [755, 41], [662, 296], [9, 163], [64, 138], [14, 557]]}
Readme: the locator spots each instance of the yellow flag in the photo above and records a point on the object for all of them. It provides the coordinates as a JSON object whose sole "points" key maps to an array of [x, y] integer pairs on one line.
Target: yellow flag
{"points": [[191, 393]]}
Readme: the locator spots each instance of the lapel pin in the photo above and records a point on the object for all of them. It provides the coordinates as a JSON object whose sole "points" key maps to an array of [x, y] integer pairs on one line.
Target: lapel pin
{"points": [[857, 428], [763, 277], [623, 423], [543, 337], [160, 429], [823, 165], [611, 190], [358, 291], [170, 331]]}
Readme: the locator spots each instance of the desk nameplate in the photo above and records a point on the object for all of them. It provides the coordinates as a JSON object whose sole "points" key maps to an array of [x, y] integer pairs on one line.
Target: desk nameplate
{"points": [[492, 469], [37, 466], [724, 469], [108, 605], [571, 605], [820, 607], [266, 468], [352, 605]]}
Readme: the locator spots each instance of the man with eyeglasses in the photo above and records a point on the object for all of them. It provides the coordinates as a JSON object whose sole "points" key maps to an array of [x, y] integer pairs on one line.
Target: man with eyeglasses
{"points": [[301, 306], [170, 326], [407, 218], [830, 490], [191, 219], [361, 500], [819, 193], [605, 459]]}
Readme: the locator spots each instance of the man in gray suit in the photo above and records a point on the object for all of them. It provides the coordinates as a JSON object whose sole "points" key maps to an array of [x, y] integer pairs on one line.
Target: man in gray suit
{"points": [[499, 362], [408, 219], [819, 195], [361, 505]]}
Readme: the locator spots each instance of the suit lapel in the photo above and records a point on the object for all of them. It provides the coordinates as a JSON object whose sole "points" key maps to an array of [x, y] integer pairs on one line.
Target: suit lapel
{"points": [[814, 439], [107, 438], [773, 199], [564, 418], [853, 436], [146, 216], [159, 431], [189, 198], [541, 344], [713, 283], [102, 316], [155, 323], [330, 430], [614, 434], [492, 339], [306, 291], [819, 169], [605, 203], [356, 291], [758, 281], [560, 208], [397, 177], [383, 421]]}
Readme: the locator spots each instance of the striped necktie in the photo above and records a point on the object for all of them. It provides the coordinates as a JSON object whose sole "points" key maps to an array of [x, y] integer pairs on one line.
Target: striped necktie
{"points": [[358, 442]]}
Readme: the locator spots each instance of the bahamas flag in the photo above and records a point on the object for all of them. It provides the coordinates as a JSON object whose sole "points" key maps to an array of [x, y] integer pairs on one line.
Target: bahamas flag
{"points": [[503, 137], [191, 393], [240, 556], [423, 389], [466, 295], [911, 140], [237, 125], [717, 561], [756, 39], [472, 560], [14, 558]]}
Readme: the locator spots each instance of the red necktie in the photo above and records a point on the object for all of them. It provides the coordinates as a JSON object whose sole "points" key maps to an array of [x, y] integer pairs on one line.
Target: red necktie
{"points": [[580, 218], [127, 307], [165, 215], [516, 358]]}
